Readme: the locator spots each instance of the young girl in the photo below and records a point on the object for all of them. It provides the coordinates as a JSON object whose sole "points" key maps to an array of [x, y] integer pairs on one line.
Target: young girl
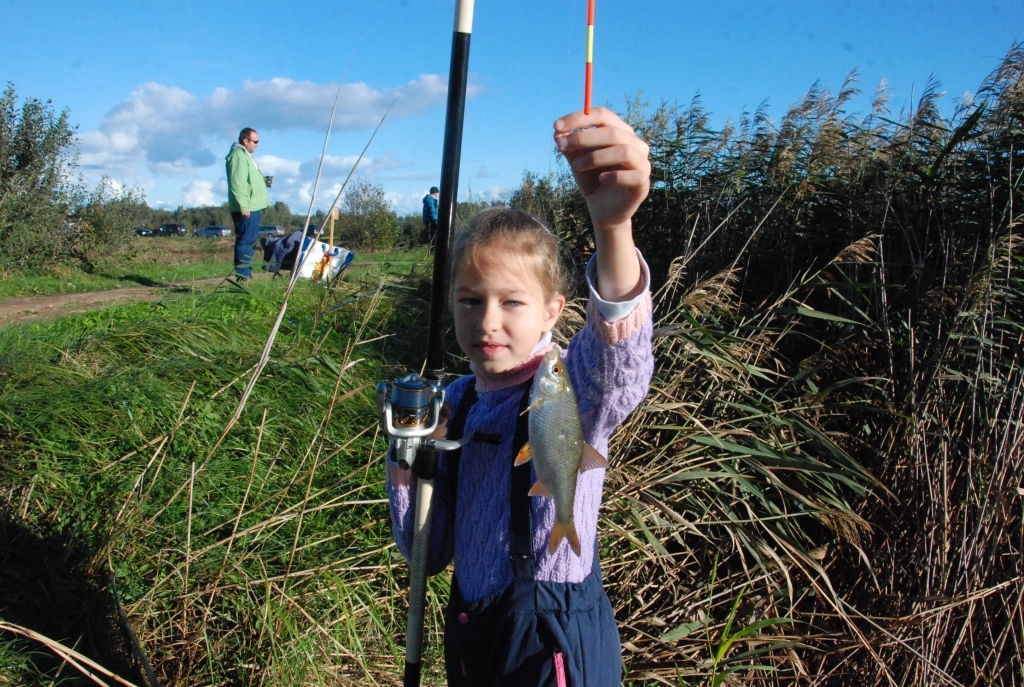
{"points": [[519, 615]]}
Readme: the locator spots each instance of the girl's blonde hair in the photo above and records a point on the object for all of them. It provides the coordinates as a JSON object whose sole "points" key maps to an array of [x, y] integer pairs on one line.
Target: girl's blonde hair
{"points": [[523, 237]]}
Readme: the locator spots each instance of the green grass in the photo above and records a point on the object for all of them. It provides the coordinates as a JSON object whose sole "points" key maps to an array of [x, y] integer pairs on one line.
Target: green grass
{"points": [[166, 261], [108, 414], [150, 262], [274, 564]]}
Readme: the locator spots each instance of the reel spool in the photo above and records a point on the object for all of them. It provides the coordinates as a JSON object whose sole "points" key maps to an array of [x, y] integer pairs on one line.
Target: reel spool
{"points": [[409, 414]]}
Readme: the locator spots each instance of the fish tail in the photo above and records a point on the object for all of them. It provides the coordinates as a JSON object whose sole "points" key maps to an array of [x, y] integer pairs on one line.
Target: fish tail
{"points": [[564, 530]]}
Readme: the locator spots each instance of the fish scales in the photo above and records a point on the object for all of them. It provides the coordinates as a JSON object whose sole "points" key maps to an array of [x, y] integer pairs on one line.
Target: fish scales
{"points": [[556, 445]]}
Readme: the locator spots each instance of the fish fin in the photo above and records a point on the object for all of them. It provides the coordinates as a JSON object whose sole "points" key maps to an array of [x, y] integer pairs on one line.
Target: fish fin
{"points": [[536, 404], [525, 454], [538, 489], [564, 530], [591, 459]]}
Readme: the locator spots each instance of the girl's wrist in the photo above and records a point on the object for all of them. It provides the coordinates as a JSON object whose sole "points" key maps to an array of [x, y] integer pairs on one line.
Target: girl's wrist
{"points": [[607, 228], [618, 268]]}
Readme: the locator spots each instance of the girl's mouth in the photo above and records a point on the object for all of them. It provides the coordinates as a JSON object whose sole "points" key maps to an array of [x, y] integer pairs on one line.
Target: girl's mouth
{"points": [[491, 349]]}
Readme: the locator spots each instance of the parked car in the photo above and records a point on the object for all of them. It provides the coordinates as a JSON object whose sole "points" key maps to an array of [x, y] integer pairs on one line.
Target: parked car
{"points": [[142, 231], [272, 230], [214, 230], [170, 230]]}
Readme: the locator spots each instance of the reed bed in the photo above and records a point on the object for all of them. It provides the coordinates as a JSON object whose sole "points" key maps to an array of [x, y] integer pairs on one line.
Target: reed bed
{"points": [[824, 485]]}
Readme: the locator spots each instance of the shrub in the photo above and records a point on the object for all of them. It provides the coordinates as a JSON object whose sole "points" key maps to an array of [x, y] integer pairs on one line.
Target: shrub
{"points": [[103, 224], [36, 189], [367, 221]]}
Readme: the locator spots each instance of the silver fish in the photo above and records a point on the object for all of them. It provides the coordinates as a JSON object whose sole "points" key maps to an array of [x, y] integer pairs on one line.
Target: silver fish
{"points": [[556, 445]]}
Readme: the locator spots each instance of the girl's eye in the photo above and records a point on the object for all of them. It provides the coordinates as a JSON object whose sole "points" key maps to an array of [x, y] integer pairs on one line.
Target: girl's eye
{"points": [[469, 301], [513, 303]]}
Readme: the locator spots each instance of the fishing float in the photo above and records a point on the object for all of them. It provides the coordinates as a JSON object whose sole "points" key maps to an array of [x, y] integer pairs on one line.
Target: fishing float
{"points": [[588, 79]]}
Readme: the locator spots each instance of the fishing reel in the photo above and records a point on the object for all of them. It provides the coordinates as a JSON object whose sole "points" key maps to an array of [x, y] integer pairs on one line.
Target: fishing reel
{"points": [[410, 415]]}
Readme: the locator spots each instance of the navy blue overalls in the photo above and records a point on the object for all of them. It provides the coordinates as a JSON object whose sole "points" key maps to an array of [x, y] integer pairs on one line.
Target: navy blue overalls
{"points": [[532, 632]]}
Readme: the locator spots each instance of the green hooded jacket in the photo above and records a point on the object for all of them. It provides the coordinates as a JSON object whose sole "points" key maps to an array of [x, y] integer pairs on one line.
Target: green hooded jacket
{"points": [[247, 191]]}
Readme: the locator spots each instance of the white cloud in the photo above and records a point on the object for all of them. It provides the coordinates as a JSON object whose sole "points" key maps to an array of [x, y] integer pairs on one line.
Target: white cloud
{"points": [[406, 203], [286, 104], [199, 193], [277, 166], [166, 131], [488, 194], [340, 166]]}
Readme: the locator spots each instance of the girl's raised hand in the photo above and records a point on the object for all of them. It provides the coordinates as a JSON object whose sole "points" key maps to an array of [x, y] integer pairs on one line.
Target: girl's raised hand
{"points": [[609, 162]]}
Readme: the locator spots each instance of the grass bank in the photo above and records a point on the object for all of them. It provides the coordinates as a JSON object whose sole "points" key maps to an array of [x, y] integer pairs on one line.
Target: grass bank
{"points": [[233, 559], [264, 556]]}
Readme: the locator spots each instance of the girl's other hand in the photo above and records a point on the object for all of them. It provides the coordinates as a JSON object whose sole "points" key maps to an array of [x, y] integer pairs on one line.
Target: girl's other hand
{"points": [[610, 165], [442, 424]]}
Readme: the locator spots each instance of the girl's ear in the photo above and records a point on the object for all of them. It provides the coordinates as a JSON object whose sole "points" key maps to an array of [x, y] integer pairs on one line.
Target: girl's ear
{"points": [[553, 311]]}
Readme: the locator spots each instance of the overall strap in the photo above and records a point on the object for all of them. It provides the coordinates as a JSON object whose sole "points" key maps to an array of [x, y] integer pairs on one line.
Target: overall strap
{"points": [[456, 429], [520, 522]]}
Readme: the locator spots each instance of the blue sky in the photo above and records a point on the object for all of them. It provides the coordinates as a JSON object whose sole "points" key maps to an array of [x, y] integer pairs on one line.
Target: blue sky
{"points": [[159, 91]]}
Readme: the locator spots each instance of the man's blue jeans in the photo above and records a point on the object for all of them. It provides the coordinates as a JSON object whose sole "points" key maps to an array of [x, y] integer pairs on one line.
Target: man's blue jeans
{"points": [[247, 233]]}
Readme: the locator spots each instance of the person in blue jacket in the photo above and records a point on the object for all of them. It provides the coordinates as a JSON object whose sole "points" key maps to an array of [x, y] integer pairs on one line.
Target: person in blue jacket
{"points": [[430, 215]]}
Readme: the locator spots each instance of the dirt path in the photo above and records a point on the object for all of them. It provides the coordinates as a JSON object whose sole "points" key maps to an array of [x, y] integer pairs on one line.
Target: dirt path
{"points": [[41, 308]]}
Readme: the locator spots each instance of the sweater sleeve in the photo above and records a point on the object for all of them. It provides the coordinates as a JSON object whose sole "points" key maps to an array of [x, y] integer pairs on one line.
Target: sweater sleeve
{"points": [[401, 487], [611, 362]]}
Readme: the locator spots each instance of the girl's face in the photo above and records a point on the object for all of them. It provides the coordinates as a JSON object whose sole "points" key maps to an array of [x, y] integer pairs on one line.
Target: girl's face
{"points": [[501, 313]]}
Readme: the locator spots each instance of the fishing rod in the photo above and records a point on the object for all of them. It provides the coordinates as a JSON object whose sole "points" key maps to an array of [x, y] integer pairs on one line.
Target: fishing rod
{"points": [[410, 408]]}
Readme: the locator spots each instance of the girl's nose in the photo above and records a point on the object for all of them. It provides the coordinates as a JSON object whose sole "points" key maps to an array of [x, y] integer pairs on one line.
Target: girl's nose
{"points": [[491, 320]]}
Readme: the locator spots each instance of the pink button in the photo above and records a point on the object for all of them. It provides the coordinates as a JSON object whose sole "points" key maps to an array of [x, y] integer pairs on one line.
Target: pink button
{"points": [[463, 618]]}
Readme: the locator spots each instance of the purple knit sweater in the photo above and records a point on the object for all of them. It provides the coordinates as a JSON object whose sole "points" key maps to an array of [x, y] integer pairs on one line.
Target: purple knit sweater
{"points": [[610, 364]]}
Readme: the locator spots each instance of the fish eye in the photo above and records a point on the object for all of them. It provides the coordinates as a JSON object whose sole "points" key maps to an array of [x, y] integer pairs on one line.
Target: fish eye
{"points": [[557, 369]]}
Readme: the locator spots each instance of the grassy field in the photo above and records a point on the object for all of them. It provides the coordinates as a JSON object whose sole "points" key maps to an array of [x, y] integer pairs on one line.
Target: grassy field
{"points": [[115, 411], [263, 555], [158, 261], [151, 261]]}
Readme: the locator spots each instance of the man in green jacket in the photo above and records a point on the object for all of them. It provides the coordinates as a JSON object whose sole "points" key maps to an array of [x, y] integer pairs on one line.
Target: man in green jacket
{"points": [[247, 198]]}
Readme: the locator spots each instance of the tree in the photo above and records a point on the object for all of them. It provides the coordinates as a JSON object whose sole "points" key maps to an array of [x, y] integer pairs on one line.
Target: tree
{"points": [[36, 188], [278, 213], [536, 195], [368, 221]]}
